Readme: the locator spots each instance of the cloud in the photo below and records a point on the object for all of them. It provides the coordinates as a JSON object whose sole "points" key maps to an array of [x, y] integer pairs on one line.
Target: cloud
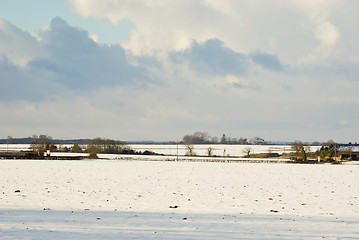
{"points": [[71, 61], [79, 62], [18, 46], [266, 60], [294, 30], [212, 57], [327, 36], [19, 83]]}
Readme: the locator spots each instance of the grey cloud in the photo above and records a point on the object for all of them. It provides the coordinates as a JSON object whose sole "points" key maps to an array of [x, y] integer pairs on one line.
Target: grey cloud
{"points": [[80, 63], [73, 62], [17, 83], [212, 57], [266, 60], [329, 71], [243, 86]]}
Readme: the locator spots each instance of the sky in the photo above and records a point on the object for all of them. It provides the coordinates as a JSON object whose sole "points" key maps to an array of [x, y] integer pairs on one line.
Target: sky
{"points": [[282, 70]]}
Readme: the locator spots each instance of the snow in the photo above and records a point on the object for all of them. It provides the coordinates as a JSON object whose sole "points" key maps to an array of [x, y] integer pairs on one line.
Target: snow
{"points": [[14, 147], [178, 158], [217, 149], [180, 149], [116, 199]]}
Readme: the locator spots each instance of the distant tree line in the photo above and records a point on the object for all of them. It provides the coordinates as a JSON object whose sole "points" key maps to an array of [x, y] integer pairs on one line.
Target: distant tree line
{"points": [[30, 140], [43, 143], [204, 138]]}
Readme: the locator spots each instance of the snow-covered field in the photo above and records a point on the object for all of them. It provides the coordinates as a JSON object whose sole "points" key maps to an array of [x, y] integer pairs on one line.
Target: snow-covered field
{"points": [[217, 149], [201, 150], [112, 199]]}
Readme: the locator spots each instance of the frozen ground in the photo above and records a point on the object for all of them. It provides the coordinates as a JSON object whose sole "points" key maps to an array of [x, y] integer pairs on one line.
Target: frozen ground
{"points": [[111, 199]]}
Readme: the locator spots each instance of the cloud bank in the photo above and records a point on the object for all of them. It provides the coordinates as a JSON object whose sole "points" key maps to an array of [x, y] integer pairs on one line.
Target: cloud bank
{"points": [[295, 30], [62, 58]]}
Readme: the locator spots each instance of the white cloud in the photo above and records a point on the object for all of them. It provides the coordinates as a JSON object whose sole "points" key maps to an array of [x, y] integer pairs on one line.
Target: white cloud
{"points": [[18, 46], [94, 37], [284, 28], [327, 36]]}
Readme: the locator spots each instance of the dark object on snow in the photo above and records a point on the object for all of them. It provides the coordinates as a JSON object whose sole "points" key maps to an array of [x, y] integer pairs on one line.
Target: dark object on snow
{"points": [[17, 190]]}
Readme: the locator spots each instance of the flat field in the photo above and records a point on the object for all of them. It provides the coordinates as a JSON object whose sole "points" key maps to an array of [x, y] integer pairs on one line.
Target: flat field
{"points": [[180, 149], [111, 199]]}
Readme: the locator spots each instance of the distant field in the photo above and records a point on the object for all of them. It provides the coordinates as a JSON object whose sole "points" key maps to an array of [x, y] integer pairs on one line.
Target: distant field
{"points": [[202, 150]]}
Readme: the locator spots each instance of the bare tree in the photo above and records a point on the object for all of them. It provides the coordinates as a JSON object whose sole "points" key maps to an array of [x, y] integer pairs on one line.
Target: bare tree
{"points": [[209, 151], [300, 149], [196, 138], [102, 145], [190, 150], [42, 144], [297, 146], [247, 151], [214, 139]]}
